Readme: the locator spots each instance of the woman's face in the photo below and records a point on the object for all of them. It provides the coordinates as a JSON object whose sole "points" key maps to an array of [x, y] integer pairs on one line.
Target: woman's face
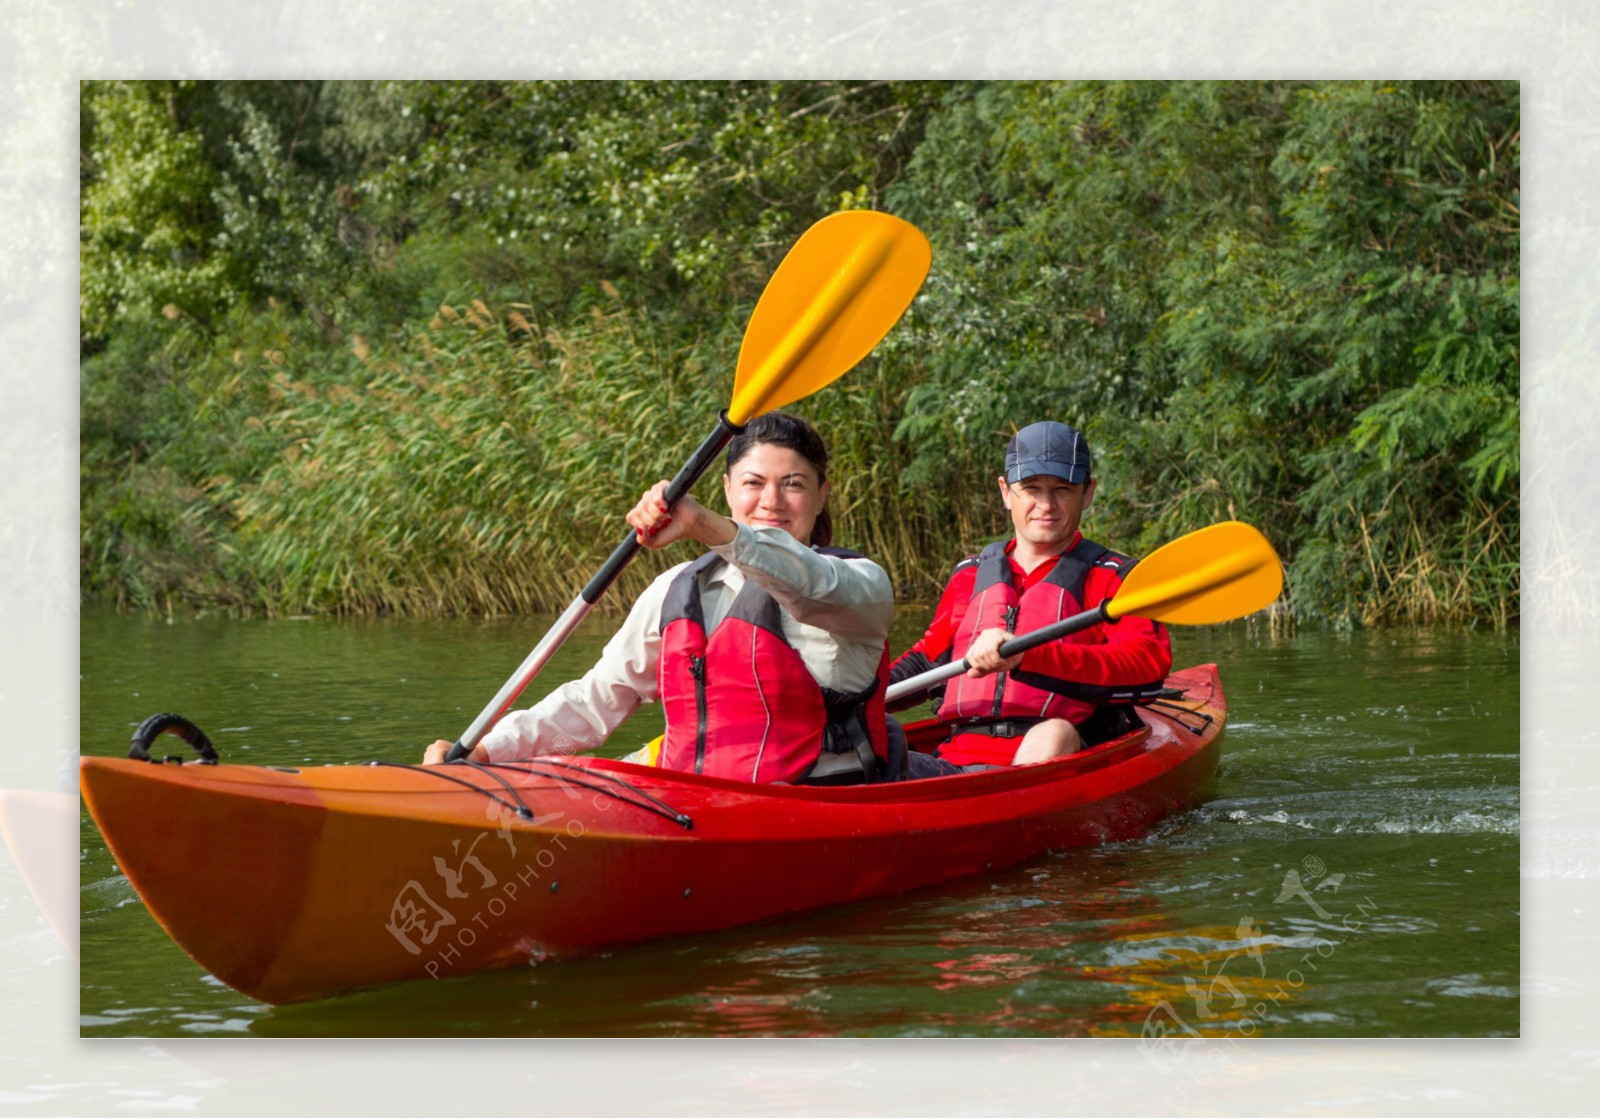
{"points": [[775, 487]]}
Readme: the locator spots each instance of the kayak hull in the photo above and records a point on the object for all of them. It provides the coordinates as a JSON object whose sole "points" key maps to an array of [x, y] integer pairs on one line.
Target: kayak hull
{"points": [[293, 885]]}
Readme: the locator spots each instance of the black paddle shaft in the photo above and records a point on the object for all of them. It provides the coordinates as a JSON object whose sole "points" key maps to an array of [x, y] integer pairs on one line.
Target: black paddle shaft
{"points": [[1055, 630], [687, 477], [915, 685], [697, 465]]}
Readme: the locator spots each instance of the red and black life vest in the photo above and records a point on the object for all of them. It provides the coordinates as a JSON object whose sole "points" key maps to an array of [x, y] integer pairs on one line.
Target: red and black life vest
{"points": [[996, 603], [740, 702]]}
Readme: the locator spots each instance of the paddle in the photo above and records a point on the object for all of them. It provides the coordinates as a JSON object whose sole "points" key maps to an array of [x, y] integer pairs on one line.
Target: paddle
{"points": [[1214, 574], [846, 281]]}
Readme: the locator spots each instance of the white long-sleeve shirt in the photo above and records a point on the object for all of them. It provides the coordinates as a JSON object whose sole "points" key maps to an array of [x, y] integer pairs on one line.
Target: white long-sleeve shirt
{"points": [[835, 614]]}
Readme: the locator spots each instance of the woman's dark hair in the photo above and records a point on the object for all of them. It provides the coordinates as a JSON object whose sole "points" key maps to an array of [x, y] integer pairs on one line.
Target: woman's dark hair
{"points": [[783, 430]]}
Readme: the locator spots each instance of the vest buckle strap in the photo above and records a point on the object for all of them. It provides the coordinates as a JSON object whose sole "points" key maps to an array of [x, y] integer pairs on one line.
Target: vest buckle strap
{"points": [[1001, 728]]}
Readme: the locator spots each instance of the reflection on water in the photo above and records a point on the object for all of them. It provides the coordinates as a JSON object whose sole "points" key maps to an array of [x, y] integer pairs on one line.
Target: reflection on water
{"points": [[1354, 871]]}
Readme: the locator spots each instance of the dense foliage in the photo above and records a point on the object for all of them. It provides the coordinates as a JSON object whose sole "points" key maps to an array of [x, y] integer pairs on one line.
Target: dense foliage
{"points": [[414, 346]]}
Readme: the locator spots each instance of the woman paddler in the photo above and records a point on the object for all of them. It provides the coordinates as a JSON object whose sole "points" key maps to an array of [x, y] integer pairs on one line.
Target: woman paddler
{"points": [[769, 652]]}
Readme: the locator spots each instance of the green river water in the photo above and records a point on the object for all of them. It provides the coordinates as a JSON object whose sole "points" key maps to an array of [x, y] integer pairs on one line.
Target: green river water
{"points": [[1353, 871]]}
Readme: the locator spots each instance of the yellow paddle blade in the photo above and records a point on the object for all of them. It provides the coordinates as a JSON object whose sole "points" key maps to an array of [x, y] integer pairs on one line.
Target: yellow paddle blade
{"points": [[1211, 575], [835, 295], [648, 754]]}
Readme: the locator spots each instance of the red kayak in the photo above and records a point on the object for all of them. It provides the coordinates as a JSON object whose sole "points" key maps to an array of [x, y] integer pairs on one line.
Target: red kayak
{"points": [[293, 884]]}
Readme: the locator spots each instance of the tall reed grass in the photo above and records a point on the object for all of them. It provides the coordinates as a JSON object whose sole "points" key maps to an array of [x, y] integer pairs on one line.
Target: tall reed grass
{"points": [[483, 465]]}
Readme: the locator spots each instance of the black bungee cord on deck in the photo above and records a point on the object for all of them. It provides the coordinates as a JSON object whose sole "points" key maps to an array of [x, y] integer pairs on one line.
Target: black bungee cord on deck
{"points": [[519, 808], [649, 802], [646, 801], [168, 723], [1163, 698]]}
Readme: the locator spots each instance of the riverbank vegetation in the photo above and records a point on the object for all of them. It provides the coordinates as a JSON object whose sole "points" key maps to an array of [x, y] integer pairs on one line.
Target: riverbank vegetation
{"points": [[414, 347]]}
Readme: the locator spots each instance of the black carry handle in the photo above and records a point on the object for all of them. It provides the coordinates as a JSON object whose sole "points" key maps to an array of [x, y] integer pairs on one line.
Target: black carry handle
{"points": [[157, 725]]}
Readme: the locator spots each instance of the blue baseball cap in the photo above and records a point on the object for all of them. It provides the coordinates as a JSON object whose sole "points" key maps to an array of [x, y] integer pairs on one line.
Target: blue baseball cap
{"points": [[1048, 448]]}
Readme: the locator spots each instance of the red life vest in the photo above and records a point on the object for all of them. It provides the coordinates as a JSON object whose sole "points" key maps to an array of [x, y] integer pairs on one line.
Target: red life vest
{"points": [[996, 603], [740, 702]]}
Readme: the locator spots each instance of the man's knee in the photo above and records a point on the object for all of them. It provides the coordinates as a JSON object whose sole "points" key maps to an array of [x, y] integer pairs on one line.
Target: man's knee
{"points": [[1052, 738]]}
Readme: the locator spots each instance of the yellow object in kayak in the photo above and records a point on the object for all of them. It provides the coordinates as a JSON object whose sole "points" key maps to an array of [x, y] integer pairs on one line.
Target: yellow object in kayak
{"points": [[648, 754]]}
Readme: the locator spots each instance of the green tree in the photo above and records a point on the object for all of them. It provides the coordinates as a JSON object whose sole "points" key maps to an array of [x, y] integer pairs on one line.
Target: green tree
{"points": [[150, 222], [1291, 303], [449, 307]]}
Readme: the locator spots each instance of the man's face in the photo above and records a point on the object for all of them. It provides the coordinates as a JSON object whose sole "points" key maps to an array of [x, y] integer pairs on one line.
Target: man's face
{"points": [[1046, 510]]}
